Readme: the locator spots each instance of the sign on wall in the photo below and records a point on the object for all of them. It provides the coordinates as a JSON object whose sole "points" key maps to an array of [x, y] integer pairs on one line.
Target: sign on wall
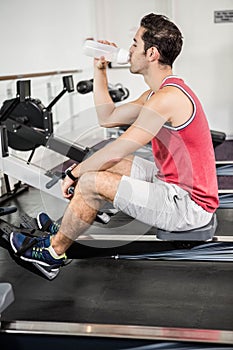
{"points": [[223, 16]]}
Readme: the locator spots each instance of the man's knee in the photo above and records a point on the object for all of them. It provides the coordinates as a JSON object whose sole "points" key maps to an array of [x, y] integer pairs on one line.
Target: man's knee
{"points": [[87, 183], [102, 183]]}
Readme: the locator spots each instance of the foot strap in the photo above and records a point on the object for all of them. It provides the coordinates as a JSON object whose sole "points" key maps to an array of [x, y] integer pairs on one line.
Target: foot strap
{"points": [[6, 229], [27, 244]]}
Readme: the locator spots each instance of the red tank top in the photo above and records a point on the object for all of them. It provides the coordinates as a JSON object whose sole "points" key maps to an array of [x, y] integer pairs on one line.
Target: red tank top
{"points": [[184, 154]]}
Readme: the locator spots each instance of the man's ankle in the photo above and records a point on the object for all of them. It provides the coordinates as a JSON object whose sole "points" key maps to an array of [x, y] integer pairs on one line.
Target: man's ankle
{"points": [[56, 254], [58, 245]]}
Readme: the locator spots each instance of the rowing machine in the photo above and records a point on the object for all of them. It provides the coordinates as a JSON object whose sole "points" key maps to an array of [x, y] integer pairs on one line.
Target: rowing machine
{"points": [[26, 124], [156, 245]]}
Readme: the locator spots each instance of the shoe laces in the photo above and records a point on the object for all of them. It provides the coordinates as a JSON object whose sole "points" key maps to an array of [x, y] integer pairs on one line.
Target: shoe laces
{"points": [[37, 249], [54, 227], [37, 252]]}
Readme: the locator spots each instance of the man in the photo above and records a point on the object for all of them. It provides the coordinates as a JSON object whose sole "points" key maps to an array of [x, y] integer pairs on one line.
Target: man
{"points": [[176, 192]]}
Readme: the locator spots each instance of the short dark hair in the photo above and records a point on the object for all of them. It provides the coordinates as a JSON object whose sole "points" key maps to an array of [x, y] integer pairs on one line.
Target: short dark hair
{"points": [[164, 35]]}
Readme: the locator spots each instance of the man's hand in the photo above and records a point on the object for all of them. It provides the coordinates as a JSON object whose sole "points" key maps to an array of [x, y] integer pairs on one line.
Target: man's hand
{"points": [[100, 63], [66, 184]]}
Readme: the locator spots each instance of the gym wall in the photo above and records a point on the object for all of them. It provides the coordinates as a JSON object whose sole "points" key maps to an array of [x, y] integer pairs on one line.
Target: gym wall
{"points": [[39, 36], [206, 61]]}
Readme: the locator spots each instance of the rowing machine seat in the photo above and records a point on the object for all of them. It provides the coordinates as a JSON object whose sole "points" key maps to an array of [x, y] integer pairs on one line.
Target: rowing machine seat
{"points": [[203, 233]]}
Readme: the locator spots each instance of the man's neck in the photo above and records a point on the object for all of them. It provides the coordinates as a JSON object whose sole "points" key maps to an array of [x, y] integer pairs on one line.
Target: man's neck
{"points": [[155, 77]]}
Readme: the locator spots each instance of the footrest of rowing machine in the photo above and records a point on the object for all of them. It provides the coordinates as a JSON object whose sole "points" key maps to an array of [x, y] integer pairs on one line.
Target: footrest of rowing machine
{"points": [[5, 230], [50, 274], [204, 233]]}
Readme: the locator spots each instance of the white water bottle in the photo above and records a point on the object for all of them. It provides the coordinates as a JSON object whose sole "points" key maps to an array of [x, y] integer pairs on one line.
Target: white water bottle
{"points": [[111, 53]]}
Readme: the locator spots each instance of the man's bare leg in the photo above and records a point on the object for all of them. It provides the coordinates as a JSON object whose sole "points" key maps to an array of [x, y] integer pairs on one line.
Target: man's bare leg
{"points": [[123, 167], [91, 190]]}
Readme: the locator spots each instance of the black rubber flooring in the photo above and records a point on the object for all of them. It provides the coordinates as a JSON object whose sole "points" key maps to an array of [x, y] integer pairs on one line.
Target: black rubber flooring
{"points": [[100, 290], [180, 294]]}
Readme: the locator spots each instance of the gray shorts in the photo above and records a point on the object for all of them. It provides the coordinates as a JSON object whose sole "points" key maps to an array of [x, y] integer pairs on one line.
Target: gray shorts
{"points": [[157, 203]]}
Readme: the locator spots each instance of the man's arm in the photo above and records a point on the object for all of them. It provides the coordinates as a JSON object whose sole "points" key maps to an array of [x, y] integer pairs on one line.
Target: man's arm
{"points": [[108, 114], [150, 120]]}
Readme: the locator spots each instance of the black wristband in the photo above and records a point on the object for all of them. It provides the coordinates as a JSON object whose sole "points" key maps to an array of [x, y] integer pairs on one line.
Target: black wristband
{"points": [[71, 176]]}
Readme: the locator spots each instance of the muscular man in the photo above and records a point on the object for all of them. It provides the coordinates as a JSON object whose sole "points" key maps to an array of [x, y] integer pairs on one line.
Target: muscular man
{"points": [[178, 191]]}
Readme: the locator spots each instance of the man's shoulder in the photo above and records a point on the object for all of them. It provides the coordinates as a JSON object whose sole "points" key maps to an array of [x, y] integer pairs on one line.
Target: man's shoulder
{"points": [[161, 102], [162, 96]]}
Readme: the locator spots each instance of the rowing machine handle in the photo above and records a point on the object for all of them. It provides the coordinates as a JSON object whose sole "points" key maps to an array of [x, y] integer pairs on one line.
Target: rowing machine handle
{"points": [[56, 177]]}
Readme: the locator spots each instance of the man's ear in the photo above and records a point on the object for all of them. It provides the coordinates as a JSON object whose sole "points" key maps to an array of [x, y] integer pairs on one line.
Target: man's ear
{"points": [[153, 54]]}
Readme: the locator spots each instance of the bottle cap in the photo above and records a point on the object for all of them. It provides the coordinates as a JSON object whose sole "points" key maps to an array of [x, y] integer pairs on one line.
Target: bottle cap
{"points": [[123, 56]]}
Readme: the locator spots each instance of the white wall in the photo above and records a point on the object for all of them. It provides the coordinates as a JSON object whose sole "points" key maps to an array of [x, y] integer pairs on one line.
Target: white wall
{"points": [[207, 58], [47, 35], [43, 35]]}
